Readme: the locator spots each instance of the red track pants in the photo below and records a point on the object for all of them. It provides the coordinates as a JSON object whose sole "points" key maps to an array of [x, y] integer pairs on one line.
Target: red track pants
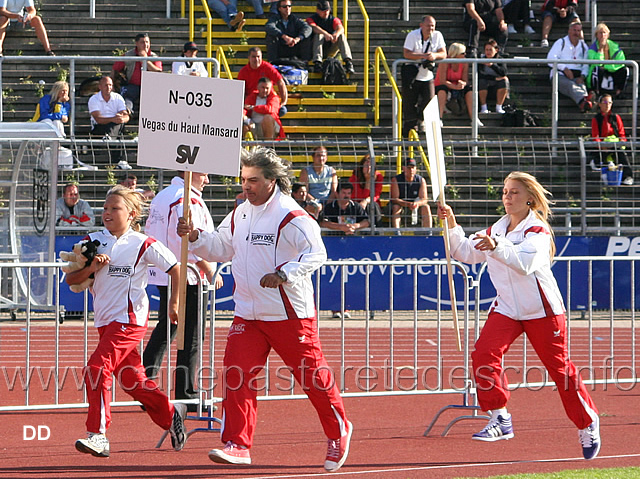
{"points": [[296, 342], [117, 354], [548, 338]]}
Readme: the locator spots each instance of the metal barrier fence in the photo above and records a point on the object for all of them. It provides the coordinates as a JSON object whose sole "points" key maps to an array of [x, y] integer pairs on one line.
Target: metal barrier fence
{"points": [[474, 62], [92, 62], [378, 352]]}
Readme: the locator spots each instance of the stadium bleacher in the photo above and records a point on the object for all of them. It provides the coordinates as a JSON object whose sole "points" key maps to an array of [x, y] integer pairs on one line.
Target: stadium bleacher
{"points": [[319, 113]]}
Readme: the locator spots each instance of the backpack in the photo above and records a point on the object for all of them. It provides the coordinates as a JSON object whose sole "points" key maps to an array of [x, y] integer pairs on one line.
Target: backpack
{"points": [[518, 118], [333, 73], [456, 103], [293, 75]]}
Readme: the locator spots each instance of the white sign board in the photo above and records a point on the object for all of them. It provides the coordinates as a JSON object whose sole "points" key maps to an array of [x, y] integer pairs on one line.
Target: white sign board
{"points": [[435, 150], [190, 123]]}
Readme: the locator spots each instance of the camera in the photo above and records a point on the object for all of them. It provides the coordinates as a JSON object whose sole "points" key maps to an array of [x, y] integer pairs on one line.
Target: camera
{"points": [[429, 65]]}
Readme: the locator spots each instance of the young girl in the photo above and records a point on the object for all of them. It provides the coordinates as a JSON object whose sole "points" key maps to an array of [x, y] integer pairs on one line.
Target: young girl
{"points": [[121, 310], [518, 250]]}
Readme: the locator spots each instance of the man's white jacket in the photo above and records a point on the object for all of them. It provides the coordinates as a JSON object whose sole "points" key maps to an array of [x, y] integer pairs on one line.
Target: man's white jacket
{"points": [[519, 266], [277, 235]]}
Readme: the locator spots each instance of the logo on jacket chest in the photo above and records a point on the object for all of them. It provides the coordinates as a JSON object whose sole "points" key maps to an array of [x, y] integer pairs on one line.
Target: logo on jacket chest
{"points": [[263, 239], [120, 271]]}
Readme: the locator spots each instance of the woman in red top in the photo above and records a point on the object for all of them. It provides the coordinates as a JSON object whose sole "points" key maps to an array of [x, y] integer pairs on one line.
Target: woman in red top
{"points": [[453, 78], [361, 180], [607, 129]]}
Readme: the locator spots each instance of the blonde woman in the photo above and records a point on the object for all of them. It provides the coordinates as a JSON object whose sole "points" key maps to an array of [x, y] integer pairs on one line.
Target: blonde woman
{"points": [[606, 78], [518, 250], [452, 81], [121, 310], [54, 108]]}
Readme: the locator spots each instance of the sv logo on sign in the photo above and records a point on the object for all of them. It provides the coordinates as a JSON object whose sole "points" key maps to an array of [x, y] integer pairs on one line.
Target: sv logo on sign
{"points": [[185, 153]]}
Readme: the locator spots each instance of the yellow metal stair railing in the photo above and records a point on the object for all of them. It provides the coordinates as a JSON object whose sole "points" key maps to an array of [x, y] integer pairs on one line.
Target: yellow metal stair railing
{"points": [[381, 59], [415, 137]]}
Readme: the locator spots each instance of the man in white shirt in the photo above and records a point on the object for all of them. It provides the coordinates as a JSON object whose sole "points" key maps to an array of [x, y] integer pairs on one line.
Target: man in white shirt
{"points": [[108, 110], [424, 45], [571, 75], [189, 67]]}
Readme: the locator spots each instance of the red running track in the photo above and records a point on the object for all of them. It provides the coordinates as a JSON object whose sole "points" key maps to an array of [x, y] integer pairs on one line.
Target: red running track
{"points": [[387, 441]]}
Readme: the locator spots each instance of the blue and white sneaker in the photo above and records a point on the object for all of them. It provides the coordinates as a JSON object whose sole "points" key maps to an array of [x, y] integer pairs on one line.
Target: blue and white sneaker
{"points": [[498, 428], [590, 440]]}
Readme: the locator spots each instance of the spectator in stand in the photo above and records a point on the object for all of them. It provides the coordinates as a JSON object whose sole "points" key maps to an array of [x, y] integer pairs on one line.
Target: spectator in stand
{"points": [[492, 75], [25, 13], [54, 108], [571, 76], [228, 11], [484, 16], [189, 67], [73, 211], [131, 181], [361, 181], [108, 110], [329, 37], [287, 35], [261, 112], [606, 78], [557, 11], [424, 45], [343, 214], [452, 81], [300, 194], [321, 180], [409, 190], [133, 70], [256, 69], [607, 129], [517, 12]]}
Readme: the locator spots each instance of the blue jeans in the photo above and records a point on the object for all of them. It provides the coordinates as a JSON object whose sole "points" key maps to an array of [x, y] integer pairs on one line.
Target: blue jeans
{"points": [[225, 11]]}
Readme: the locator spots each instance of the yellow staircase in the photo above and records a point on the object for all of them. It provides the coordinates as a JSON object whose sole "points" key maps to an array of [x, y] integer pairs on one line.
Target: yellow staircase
{"points": [[313, 109]]}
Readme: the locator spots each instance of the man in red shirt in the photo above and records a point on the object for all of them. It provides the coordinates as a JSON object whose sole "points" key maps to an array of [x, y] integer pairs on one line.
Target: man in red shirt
{"points": [[133, 70], [256, 69], [261, 109]]}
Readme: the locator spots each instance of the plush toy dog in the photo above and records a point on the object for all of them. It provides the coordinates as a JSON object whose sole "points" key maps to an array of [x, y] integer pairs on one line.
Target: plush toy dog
{"points": [[81, 257]]}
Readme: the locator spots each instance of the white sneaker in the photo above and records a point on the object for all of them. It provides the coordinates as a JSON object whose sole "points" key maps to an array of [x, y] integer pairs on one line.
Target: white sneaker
{"points": [[529, 30], [590, 440], [484, 109], [478, 122], [499, 109], [544, 43], [95, 444], [511, 29], [628, 181], [124, 165]]}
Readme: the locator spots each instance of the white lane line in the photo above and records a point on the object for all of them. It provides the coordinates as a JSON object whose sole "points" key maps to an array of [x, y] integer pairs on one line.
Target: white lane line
{"points": [[441, 466]]}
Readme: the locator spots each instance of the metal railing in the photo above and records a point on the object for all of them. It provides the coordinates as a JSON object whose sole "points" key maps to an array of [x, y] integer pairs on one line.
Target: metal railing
{"points": [[412, 342], [397, 119], [381, 59], [75, 61], [345, 20]]}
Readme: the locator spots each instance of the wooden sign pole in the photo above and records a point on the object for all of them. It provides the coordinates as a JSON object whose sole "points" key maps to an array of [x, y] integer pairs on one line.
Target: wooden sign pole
{"points": [[184, 260]]}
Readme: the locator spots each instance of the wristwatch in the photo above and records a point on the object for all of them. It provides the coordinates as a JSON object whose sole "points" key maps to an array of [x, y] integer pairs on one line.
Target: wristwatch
{"points": [[281, 274]]}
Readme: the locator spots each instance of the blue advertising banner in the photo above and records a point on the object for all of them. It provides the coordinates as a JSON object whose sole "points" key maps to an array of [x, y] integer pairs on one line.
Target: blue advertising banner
{"points": [[402, 248]]}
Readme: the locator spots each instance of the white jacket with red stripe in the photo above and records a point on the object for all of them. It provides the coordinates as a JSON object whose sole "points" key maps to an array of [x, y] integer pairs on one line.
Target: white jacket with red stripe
{"points": [[519, 266], [278, 235]]}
